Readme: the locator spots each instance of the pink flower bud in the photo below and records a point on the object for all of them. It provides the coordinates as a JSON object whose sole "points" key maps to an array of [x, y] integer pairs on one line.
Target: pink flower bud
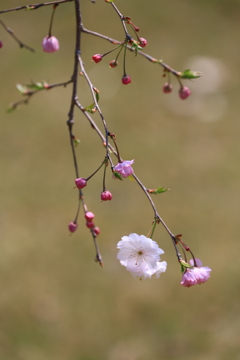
{"points": [[80, 183], [143, 42], [124, 168], [113, 63], [97, 58], [50, 44], [126, 79], [96, 231], [184, 92], [106, 195], [72, 226], [89, 216], [90, 224], [1, 44], [167, 88]]}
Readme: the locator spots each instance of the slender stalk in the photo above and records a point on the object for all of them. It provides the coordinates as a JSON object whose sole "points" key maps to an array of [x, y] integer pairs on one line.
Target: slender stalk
{"points": [[35, 6]]}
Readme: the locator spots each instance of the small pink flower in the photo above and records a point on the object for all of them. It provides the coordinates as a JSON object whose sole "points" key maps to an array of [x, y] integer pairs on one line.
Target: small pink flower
{"points": [[126, 79], [167, 88], [50, 44], [113, 63], [201, 273], [97, 58], [80, 183], [143, 42], [72, 226], [124, 168], [184, 92], [195, 275], [90, 224], [106, 195], [89, 216], [188, 278]]}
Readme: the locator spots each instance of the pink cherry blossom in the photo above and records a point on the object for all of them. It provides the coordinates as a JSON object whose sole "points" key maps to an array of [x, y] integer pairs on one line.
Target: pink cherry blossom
{"points": [[196, 275], [124, 168], [50, 44]]}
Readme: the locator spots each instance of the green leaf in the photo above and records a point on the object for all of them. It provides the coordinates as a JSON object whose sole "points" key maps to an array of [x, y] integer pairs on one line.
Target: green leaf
{"points": [[117, 175], [97, 96], [76, 142], [91, 109], [36, 86], [189, 74], [159, 190]]}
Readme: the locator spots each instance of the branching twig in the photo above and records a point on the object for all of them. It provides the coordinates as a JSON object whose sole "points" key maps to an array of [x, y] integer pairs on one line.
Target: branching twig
{"points": [[35, 6], [29, 93], [148, 57], [20, 43]]}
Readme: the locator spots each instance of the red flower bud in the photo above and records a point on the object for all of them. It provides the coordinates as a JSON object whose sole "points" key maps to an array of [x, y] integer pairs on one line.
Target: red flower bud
{"points": [[97, 58], [113, 63], [143, 42], [72, 226], [184, 92], [106, 195], [90, 224], [126, 79], [80, 183], [1, 44], [89, 216], [167, 88], [96, 230]]}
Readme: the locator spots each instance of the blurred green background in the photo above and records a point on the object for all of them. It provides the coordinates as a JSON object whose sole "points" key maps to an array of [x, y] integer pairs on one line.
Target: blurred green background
{"points": [[55, 302]]}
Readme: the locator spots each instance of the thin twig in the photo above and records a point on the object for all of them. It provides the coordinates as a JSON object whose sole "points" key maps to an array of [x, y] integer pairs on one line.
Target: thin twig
{"points": [[35, 6], [29, 94], [20, 43], [148, 57]]}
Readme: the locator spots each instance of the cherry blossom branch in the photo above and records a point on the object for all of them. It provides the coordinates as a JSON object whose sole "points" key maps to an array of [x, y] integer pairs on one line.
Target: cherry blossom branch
{"points": [[146, 56], [20, 43], [35, 6]]}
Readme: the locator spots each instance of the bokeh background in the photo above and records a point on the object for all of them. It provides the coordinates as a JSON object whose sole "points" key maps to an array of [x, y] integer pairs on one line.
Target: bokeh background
{"points": [[56, 303]]}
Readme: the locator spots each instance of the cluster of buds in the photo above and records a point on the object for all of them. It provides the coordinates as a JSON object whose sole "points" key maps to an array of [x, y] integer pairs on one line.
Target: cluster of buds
{"points": [[184, 92], [128, 42], [89, 216]]}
